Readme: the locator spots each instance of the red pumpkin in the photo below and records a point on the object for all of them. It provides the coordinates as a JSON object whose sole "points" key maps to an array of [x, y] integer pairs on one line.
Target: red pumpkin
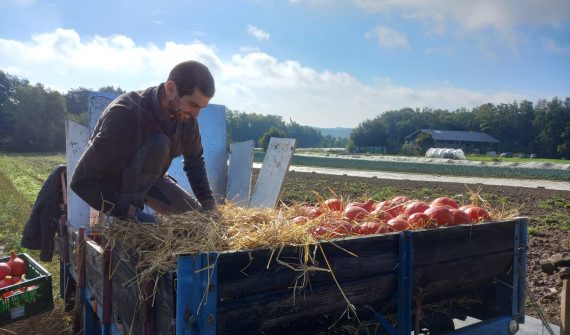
{"points": [[355, 213], [398, 224], [368, 205], [16, 264], [381, 214], [300, 219], [4, 270], [444, 201], [477, 214], [459, 216], [441, 215], [419, 220], [415, 207], [334, 204], [314, 212], [372, 227]]}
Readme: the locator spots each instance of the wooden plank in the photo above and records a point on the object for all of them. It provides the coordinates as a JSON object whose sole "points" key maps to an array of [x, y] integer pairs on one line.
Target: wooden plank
{"points": [[76, 138], [212, 122], [239, 173], [446, 243], [277, 308], [96, 104], [125, 292], [275, 165], [256, 271], [94, 269]]}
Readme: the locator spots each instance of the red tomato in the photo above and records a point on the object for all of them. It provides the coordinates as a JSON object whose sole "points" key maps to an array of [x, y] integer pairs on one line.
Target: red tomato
{"points": [[444, 201], [300, 219], [419, 220], [355, 213], [415, 207], [334, 204], [398, 224], [459, 216], [441, 215], [477, 214]]}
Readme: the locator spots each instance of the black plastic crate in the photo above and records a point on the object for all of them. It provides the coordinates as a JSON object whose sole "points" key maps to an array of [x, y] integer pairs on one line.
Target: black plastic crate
{"points": [[30, 297]]}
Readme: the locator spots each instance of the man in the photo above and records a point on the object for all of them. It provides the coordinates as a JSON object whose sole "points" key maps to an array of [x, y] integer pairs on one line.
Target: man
{"points": [[134, 142]]}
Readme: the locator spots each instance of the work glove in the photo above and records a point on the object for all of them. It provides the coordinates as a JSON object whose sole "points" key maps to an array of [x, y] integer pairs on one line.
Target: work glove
{"points": [[208, 205]]}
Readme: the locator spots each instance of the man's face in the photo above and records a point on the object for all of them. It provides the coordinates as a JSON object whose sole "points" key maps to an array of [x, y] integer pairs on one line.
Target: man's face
{"points": [[188, 106]]}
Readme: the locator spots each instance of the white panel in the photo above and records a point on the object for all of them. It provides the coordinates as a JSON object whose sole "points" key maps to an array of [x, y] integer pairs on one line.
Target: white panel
{"points": [[212, 121], [239, 172], [272, 174], [97, 103], [76, 137]]}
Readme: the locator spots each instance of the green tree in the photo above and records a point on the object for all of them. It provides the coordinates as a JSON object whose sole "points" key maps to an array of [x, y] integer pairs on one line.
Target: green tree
{"points": [[305, 136], [111, 89], [38, 119], [266, 137], [423, 142]]}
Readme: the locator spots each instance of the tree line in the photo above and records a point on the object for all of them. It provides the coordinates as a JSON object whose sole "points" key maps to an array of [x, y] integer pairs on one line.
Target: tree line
{"points": [[525, 127], [32, 119]]}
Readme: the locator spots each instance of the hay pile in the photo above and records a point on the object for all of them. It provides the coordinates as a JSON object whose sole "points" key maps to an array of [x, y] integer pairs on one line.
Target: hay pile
{"points": [[229, 228]]}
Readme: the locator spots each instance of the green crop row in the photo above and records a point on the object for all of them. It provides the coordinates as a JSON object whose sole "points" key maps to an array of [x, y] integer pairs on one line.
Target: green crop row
{"points": [[428, 168]]}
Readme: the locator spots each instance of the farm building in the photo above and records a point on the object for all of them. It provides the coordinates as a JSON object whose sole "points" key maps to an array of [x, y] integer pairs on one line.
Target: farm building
{"points": [[468, 141]]}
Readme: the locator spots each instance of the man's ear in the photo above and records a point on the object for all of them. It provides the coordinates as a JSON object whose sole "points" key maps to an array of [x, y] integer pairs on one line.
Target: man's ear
{"points": [[170, 87]]}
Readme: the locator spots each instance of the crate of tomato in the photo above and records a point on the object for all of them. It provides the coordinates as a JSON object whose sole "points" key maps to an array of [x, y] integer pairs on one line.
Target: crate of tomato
{"points": [[25, 288]]}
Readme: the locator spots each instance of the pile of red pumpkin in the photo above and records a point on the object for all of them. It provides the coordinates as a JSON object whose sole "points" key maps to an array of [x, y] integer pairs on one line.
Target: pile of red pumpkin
{"points": [[396, 214], [12, 272]]}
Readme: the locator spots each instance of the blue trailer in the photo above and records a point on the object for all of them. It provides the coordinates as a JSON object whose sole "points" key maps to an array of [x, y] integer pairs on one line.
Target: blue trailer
{"points": [[396, 283]]}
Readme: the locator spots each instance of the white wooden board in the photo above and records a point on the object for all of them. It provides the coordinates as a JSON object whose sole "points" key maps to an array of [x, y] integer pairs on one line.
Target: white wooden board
{"points": [[239, 172], [272, 174], [212, 121], [76, 137]]}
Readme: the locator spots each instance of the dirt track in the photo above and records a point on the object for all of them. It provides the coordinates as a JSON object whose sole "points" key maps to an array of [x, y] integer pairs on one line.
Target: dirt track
{"points": [[548, 212]]}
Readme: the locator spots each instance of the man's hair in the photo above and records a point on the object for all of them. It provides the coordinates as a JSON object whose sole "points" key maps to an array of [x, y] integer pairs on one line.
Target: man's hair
{"points": [[190, 75]]}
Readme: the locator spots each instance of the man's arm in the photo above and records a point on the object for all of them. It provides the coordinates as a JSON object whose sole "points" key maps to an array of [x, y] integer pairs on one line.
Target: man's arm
{"points": [[195, 169]]}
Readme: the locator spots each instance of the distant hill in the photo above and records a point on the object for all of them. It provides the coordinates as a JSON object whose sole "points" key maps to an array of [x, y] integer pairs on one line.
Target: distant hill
{"points": [[336, 132]]}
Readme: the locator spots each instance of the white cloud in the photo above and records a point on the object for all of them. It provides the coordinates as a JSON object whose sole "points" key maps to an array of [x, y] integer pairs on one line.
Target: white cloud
{"points": [[552, 46], [250, 81], [257, 33], [388, 38], [504, 15]]}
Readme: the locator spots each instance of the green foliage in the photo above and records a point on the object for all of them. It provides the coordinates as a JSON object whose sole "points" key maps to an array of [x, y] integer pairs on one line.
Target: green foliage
{"points": [[266, 137], [37, 119], [424, 141], [409, 150]]}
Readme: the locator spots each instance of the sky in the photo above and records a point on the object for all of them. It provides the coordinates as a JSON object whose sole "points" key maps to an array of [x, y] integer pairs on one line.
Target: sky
{"points": [[325, 63]]}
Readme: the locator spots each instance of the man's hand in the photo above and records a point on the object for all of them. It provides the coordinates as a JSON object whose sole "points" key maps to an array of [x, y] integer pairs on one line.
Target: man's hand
{"points": [[208, 205], [139, 216]]}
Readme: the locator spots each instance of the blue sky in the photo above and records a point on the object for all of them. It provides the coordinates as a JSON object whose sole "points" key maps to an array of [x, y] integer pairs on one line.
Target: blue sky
{"points": [[323, 63]]}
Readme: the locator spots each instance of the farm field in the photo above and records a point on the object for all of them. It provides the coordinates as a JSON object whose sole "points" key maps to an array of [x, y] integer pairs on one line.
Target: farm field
{"points": [[524, 169], [21, 177]]}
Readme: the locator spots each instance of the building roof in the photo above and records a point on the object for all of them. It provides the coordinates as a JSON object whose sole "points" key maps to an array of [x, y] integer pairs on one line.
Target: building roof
{"points": [[454, 135]]}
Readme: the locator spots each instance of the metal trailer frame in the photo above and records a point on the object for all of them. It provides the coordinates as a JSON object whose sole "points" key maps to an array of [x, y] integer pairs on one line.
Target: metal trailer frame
{"points": [[197, 293]]}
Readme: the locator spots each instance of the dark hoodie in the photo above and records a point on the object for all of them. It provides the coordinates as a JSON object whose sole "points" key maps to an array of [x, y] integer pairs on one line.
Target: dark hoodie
{"points": [[119, 133]]}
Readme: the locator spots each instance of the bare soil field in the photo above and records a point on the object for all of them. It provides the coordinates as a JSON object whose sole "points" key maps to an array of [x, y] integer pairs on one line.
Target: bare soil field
{"points": [[548, 212]]}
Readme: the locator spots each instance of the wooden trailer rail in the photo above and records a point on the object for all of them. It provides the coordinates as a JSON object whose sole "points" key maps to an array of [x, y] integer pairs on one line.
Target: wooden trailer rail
{"points": [[248, 291]]}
